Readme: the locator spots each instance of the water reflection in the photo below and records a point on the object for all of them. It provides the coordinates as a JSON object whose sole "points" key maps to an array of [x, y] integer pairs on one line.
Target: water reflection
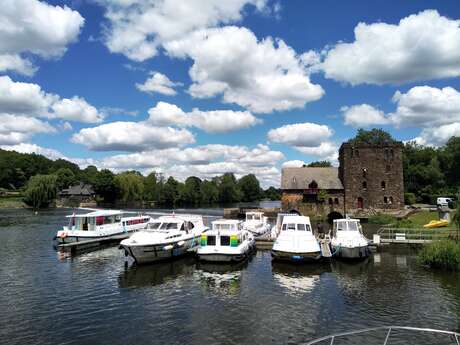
{"points": [[220, 279], [134, 276], [298, 279]]}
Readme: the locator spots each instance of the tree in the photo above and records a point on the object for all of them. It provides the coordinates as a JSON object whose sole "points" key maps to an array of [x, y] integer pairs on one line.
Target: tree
{"points": [[272, 193], [41, 191], [88, 175], [130, 186], [104, 185], [150, 187], [322, 196], [319, 164], [191, 191], [209, 193], [249, 187], [170, 192], [65, 178], [228, 189], [375, 136]]}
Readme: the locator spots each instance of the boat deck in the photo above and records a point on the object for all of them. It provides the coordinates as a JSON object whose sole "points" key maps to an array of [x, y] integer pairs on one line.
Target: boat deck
{"points": [[91, 245]]}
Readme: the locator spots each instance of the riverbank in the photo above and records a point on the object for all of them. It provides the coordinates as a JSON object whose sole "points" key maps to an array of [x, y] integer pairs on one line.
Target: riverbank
{"points": [[11, 202], [415, 220], [443, 254]]}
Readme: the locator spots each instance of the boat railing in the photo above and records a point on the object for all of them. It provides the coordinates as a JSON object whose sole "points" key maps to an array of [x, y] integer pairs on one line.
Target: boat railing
{"points": [[329, 339], [413, 234]]}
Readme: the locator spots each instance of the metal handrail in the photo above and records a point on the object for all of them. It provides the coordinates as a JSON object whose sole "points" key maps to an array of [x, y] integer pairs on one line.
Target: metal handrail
{"points": [[388, 328]]}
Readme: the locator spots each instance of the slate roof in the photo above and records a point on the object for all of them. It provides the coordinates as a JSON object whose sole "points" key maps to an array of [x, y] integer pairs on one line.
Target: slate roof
{"points": [[300, 178], [79, 189]]}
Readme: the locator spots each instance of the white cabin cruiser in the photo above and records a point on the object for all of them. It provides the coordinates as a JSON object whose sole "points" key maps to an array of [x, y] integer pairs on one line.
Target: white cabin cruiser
{"points": [[164, 238], [226, 242], [348, 240], [296, 241], [256, 223], [99, 223], [276, 228]]}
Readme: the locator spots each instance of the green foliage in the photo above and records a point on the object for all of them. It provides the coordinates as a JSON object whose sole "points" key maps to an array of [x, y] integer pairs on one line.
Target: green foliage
{"points": [[170, 192], [190, 193], [228, 189], [250, 188], [272, 193], [104, 185], [322, 195], [65, 178], [375, 136], [209, 193], [409, 198], [89, 174], [130, 186], [150, 187], [443, 254], [41, 191], [319, 164], [382, 219]]}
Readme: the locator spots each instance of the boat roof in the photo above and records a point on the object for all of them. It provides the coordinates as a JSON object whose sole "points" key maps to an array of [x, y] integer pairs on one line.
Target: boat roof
{"points": [[254, 212], [296, 219], [176, 218], [97, 213], [227, 221], [346, 220]]}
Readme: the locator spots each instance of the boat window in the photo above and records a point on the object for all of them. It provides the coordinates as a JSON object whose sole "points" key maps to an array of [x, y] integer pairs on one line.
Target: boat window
{"points": [[155, 225], [169, 226], [284, 226], [224, 240], [341, 226], [291, 227], [211, 241], [301, 227], [352, 226]]}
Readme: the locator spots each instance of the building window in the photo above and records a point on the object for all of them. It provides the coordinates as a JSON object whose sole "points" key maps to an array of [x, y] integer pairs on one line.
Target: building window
{"points": [[357, 153], [385, 200], [352, 152], [383, 185], [360, 202], [330, 201], [392, 154], [364, 172], [313, 185], [391, 200], [365, 185], [387, 154], [336, 201], [387, 168]]}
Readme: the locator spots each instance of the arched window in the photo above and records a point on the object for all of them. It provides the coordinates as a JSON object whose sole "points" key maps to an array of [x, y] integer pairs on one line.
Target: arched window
{"points": [[330, 201], [385, 200], [391, 200], [336, 201], [364, 172], [360, 202], [387, 168], [383, 185], [364, 185], [313, 185]]}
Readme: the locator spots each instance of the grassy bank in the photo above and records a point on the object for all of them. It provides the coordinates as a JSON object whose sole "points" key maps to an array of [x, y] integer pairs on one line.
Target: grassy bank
{"points": [[443, 254], [11, 202], [416, 220]]}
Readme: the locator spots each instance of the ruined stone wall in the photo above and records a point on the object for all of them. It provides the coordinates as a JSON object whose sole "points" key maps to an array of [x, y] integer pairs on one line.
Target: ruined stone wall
{"points": [[293, 200], [374, 174]]}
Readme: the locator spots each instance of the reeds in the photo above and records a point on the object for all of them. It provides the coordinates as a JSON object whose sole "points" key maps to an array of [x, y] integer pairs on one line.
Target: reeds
{"points": [[444, 254]]}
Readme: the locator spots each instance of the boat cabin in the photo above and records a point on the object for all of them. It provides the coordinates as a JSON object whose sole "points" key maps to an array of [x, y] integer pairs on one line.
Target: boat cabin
{"points": [[90, 221], [170, 223], [342, 225], [224, 233], [296, 223], [254, 216]]}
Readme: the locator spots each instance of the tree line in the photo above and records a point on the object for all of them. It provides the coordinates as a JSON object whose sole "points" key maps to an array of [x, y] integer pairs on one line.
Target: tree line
{"points": [[41, 179]]}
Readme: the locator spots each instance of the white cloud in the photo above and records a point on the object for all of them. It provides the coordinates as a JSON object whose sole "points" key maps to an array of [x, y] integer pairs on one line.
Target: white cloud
{"points": [[17, 129], [138, 27], [422, 46], [28, 99], [437, 136], [293, 164], [300, 134], [363, 115], [214, 121], [262, 76], [426, 106], [31, 26], [32, 148], [131, 136], [159, 83], [326, 150]]}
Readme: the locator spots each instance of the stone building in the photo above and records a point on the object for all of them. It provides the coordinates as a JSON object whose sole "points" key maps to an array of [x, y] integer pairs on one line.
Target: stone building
{"points": [[369, 178]]}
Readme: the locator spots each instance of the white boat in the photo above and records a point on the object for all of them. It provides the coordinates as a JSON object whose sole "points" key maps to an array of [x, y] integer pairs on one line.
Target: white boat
{"points": [[256, 223], [226, 242], [100, 223], [348, 240], [276, 228], [164, 238], [296, 241]]}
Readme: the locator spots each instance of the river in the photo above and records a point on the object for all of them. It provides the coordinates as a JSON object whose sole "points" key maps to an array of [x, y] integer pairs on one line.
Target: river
{"points": [[95, 298]]}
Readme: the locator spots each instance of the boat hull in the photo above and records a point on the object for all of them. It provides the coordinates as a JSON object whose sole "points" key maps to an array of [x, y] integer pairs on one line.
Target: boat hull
{"points": [[145, 254], [73, 239], [295, 257], [226, 257], [351, 252]]}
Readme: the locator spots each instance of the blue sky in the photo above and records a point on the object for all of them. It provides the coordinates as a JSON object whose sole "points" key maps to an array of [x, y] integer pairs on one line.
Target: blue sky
{"points": [[207, 87]]}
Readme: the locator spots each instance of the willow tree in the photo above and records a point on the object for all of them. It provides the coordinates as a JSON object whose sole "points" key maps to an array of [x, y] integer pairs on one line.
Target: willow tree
{"points": [[130, 186], [41, 191]]}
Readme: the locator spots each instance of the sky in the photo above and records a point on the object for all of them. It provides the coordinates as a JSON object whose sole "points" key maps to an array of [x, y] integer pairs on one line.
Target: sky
{"points": [[205, 87]]}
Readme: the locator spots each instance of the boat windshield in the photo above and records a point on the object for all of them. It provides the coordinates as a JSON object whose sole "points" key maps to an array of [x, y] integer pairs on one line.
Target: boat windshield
{"points": [[163, 226], [298, 227], [253, 217], [347, 226], [223, 226]]}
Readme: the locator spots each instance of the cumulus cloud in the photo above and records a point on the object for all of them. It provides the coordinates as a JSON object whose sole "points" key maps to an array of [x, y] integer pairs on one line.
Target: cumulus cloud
{"points": [[214, 121], [17, 129], [363, 115], [293, 164], [131, 136], [263, 76], [138, 27], [32, 148], [326, 150], [158, 83], [421, 46], [28, 99], [437, 136], [32, 26]]}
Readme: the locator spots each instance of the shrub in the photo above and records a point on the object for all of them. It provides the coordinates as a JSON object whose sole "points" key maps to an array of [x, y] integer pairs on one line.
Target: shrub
{"points": [[443, 254], [41, 191], [409, 198]]}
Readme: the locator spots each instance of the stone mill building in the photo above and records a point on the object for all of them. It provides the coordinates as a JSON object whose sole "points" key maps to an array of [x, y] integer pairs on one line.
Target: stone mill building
{"points": [[369, 179]]}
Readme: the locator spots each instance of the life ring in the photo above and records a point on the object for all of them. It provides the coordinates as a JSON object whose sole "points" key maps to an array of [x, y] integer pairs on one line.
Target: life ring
{"points": [[63, 235]]}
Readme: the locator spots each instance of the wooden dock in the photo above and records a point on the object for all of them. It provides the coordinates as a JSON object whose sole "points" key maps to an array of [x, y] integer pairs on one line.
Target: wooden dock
{"points": [[91, 245]]}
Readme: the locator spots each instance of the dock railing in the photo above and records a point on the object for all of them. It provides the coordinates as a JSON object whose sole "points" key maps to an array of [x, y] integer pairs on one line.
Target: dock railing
{"points": [[329, 339], [413, 235]]}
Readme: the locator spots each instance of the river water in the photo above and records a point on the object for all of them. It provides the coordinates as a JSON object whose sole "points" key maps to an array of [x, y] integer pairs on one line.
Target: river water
{"points": [[95, 298]]}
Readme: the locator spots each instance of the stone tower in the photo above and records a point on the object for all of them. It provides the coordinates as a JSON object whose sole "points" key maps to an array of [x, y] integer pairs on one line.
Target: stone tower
{"points": [[372, 176]]}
